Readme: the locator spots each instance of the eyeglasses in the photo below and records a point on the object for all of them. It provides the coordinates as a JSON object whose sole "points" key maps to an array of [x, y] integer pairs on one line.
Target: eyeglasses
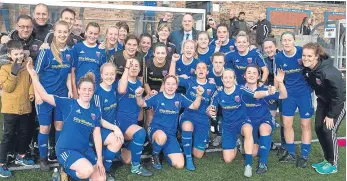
{"points": [[24, 27]]}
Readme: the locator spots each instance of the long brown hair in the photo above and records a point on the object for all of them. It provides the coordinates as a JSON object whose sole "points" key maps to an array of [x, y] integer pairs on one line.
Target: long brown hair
{"points": [[318, 50], [54, 45]]}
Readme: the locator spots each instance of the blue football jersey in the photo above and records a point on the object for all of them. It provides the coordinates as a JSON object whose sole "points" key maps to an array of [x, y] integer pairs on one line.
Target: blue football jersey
{"points": [[258, 109], [233, 108], [79, 124], [206, 57], [166, 111], [191, 85], [294, 78], [128, 110], [106, 100], [239, 63], [226, 48], [217, 79], [187, 69], [52, 74], [88, 59]]}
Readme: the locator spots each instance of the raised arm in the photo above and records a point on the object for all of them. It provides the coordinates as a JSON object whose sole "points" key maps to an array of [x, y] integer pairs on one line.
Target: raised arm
{"points": [[37, 85], [281, 87], [196, 104], [175, 58], [123, 82], [139, 100]]}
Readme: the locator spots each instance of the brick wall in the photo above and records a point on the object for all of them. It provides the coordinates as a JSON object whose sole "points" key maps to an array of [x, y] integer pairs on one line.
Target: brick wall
{"points": [[253, 9]]}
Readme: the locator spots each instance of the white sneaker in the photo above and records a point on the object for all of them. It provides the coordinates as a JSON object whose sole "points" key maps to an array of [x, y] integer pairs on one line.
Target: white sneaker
{"points": [[216, 141], [248, 171]]}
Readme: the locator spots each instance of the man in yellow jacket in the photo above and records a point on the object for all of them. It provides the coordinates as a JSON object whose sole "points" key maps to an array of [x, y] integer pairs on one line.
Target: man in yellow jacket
{"points": [[17, 94]]}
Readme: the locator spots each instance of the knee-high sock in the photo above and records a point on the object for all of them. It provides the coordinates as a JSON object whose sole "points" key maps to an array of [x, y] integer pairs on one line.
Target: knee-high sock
{"points": [[43, 142], [108, 158], [264, 149], [187, 142], [136, 146], [305, 150], [156, 148]]}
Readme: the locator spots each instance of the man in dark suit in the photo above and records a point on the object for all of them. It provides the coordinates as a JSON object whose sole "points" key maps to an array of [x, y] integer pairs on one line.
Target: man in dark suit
{"points": [[186, 33]]}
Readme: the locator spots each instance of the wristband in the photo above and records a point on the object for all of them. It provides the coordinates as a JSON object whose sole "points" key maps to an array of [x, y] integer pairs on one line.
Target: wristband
{"points": [[267, 93]]}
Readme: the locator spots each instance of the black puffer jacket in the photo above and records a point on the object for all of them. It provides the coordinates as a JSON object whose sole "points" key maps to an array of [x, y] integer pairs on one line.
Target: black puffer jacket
{"points": [[31, 44], [330, 88], [42, 31]]}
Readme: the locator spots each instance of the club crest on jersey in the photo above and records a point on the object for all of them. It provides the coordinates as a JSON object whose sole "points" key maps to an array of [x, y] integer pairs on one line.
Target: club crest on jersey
{"points": [[300, 61], [74, 40], [35, 48], [231, 48], [164, 73], [249, 60], [192, 71], [93, 116], [98, 54], [208, 91], [318, 81], [177, 103], [237, 98], [68, 56], [169, 49]]}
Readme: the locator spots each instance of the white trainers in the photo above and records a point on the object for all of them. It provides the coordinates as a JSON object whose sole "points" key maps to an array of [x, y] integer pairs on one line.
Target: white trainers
{"points": [[248, 171], [216, 141]]}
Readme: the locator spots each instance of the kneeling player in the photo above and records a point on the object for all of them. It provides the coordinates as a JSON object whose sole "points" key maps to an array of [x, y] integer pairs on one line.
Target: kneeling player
{"points": [[258, 111], [235, 120], [163, 128]]}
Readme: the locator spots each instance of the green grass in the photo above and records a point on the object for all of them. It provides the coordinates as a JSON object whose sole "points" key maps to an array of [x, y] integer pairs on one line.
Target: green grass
{"points": [[212, 167]]}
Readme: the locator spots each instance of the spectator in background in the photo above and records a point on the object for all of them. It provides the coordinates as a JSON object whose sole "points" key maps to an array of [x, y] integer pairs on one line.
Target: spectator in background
{"points": [[24, 33], [239, 25], [233, 18], [77, 28], [68, 15], [41, 25], [186, 33], [305, 28], [263, 30]]}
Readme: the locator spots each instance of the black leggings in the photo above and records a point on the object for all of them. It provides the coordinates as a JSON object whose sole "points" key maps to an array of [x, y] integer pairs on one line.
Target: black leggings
{"points": [[327, 138]]}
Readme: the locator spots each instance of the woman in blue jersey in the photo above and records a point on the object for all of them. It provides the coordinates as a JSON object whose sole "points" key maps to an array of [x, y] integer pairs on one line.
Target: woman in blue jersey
{"points": [[109, 45], [145, 46], [203, 50], [235, 119], [299, 96], [258, 112], [185, 65], [105, 98], [88, 57], [53, 67], [215, 76], [163, 36], [127, 117], [222, 43], [82, 120], [163, 128], [270, 51], [238, 60], [195, 122]]}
